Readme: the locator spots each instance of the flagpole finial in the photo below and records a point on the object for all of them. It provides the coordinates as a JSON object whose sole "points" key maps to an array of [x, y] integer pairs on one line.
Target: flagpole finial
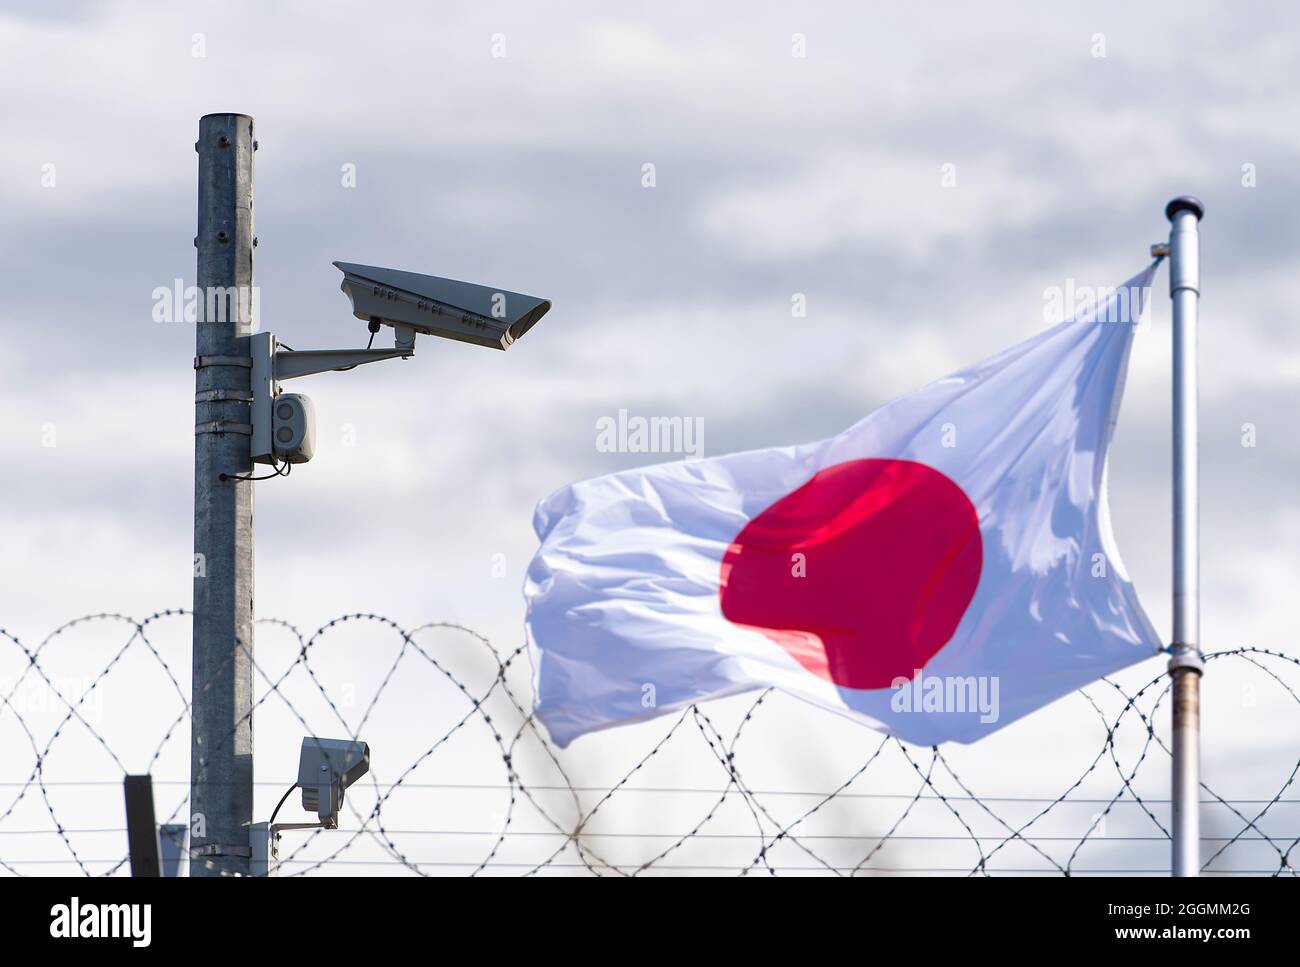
{"points": [[1185, 203]]}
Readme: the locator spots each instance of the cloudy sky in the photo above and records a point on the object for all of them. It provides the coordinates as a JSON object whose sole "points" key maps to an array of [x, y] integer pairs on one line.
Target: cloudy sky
{"points": [[920, 177]]}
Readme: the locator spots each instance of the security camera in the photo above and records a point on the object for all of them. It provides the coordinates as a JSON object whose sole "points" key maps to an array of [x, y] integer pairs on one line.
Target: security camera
{"points": [[293, 427], [282, 425], [326, 767], [433, 306]]}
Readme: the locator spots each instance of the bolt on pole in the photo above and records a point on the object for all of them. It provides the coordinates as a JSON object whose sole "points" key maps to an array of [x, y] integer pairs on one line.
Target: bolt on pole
{"points": [[1185, 665], [221, 751]]}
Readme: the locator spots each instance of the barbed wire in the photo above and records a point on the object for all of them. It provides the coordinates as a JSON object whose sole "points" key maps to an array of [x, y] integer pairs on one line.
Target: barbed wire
{"points": [[550, 820]]}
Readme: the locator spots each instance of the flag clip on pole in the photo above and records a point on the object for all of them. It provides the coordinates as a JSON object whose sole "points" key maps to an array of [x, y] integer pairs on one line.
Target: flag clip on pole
{"points": [[1185, 664]]}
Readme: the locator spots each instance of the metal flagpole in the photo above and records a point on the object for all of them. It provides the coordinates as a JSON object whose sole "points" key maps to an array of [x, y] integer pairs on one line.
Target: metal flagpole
{"points": [[1185, 665]]}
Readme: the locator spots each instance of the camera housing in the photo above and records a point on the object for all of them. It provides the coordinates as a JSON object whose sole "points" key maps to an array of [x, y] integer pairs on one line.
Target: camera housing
{"points": [[293, 427], [326, 767], [436, 306]]}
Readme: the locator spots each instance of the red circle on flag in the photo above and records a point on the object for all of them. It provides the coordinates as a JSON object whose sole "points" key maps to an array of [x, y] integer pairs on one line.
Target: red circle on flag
{"points": [[862, 574]]}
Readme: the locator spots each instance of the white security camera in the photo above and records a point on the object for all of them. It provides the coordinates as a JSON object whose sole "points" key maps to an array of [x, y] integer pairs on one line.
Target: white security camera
{"points": [[293, 427], [433, 306], [326, 767]]}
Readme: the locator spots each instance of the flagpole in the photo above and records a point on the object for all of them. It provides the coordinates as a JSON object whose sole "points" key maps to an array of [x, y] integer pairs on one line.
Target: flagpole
{"points": [[1185, 664]]}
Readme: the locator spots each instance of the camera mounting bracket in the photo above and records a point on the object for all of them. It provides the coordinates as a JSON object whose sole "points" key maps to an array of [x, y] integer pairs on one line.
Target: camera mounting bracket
{"points": [[271, 364]]}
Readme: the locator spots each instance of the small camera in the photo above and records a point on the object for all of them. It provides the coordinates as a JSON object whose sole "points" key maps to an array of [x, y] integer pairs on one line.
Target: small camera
{"points": [[293, 427], [326, 767]]}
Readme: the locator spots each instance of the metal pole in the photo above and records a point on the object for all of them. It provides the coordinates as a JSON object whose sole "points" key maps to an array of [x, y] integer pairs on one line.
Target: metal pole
{"points": [[1185, 665], [221, 753], [141, 827]]}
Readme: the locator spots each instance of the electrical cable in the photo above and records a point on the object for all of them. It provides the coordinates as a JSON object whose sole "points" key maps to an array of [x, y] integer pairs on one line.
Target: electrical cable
{"points": [[282, 470], [286, 795]]}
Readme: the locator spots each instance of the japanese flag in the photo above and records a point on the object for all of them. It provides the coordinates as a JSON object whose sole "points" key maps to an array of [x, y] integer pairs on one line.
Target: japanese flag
{"points": [[936, 571]]}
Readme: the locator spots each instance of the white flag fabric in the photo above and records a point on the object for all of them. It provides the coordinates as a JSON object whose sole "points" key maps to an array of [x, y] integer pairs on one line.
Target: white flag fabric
{"points": [[938, 570]]}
